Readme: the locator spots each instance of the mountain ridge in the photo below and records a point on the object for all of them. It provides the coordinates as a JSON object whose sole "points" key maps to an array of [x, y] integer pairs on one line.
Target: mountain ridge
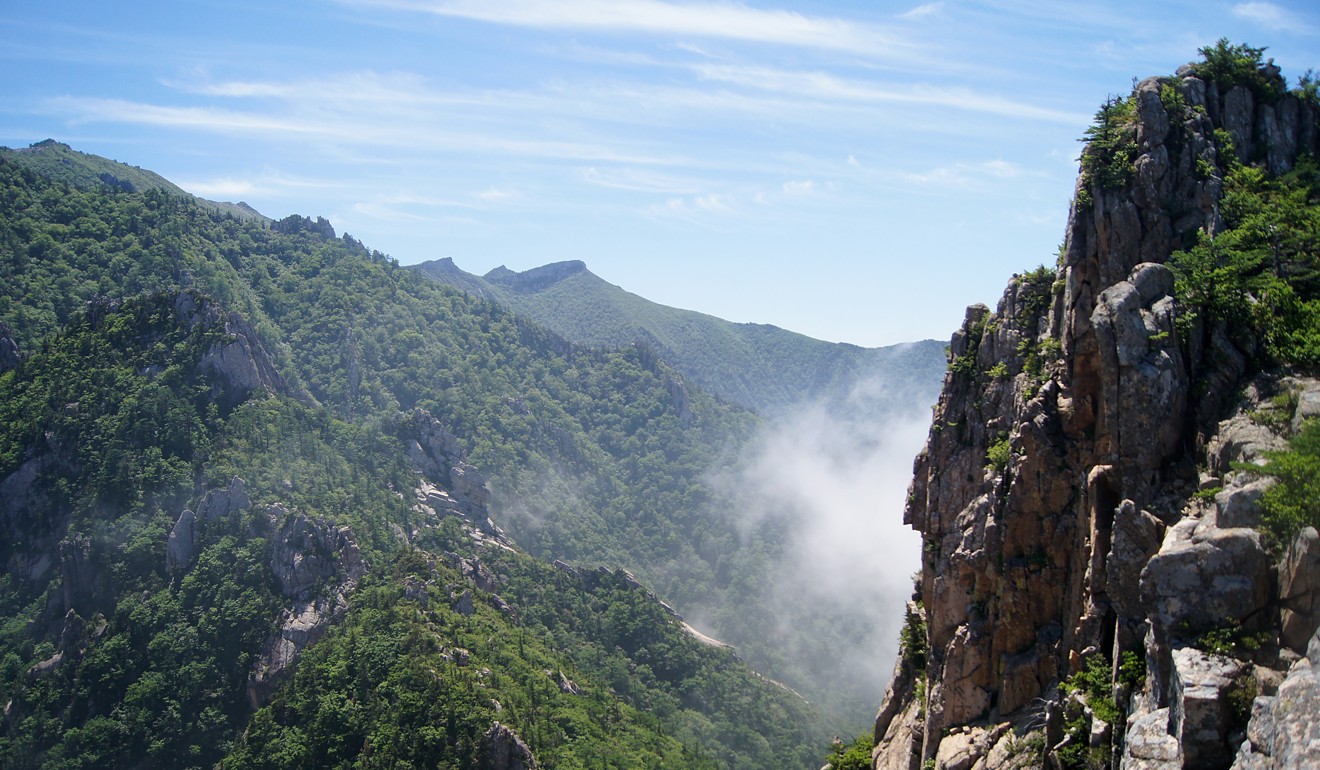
{"points": [[1105, 578], [167, 526], [59, 161], [759, 366]]}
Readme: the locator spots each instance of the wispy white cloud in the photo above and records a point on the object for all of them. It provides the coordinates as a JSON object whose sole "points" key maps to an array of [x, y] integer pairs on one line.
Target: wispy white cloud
{"points": [[727, 20], [396, 207], [140, 113], [639, 180], [825, 86], [1269, 16], [922, 11], [746, 203], [229, 187], [708, 210], [391, 125], [799, 188], [498, 194], [964, 174]]}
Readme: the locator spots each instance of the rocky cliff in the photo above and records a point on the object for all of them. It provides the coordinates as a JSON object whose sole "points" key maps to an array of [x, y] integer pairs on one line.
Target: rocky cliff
{"points": [[1065, 494]]}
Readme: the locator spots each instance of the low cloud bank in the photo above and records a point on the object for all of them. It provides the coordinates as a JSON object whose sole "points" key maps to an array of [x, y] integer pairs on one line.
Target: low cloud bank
{"points": [[826, 485]]}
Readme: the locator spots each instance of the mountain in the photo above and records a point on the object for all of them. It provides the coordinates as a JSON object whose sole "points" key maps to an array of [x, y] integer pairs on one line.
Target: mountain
{"points": [[1117, 496], [758, 366], [60, 162], [267, 499]]}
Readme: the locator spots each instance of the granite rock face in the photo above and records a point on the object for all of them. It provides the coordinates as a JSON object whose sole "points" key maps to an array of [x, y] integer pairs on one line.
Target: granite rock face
{"points": [[317, 565], [447, 484], [504, 749], [1284, 731], [1079, 496]]}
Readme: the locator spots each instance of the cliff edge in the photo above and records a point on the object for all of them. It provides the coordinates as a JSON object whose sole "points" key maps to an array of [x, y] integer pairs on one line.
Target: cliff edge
{"points": [[1097, 588]]}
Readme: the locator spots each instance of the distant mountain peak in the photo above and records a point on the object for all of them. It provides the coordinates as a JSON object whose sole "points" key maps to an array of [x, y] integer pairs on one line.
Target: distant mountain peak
{"points": [[537, 278]]}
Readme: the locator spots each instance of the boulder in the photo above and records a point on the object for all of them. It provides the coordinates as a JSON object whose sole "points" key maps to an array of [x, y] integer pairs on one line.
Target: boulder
{"points": [[1148, 745], [1204, 576], [1240, 439], [1199, 713], [964, 748], [1239, 505], [1308, 404]]}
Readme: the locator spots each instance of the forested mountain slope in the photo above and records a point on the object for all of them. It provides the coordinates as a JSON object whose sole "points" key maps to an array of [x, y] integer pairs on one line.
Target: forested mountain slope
{"points": [[228, 446], [759, 366], [1117, 498], [60, 162]]}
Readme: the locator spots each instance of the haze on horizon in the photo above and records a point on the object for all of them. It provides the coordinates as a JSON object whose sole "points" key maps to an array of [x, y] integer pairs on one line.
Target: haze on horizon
{"points": [[854, 172]]}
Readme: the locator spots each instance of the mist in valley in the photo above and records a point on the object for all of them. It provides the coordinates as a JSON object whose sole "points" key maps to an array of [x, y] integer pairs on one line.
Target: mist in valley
{"points": [[818, 497]]}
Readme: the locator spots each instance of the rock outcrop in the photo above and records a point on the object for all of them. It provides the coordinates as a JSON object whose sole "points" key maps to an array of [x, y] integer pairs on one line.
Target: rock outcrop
{"points": [[447, 484], [504, 749], [9, 353], [1063, 495], [318, 565], [1284, 731], [181, 547], [239, 365]]}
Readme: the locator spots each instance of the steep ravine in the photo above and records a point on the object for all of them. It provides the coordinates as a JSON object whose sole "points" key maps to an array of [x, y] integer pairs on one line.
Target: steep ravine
{"points": [[1057, 491]]}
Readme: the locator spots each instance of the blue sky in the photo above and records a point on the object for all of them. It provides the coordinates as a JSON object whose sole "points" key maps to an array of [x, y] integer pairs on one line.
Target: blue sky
{"points": [[856, 171]]}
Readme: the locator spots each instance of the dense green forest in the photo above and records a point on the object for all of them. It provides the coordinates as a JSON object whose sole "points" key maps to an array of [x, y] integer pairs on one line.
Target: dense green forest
{"points": [[758, 366], [130, 307]]}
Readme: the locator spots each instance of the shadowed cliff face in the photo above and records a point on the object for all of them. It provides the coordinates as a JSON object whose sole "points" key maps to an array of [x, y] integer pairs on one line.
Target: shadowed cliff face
{"points": [[1067, 440]]}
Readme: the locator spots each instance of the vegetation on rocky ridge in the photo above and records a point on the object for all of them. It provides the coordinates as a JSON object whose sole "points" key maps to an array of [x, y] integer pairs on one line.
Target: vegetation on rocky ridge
{"points": [[114, 424]]}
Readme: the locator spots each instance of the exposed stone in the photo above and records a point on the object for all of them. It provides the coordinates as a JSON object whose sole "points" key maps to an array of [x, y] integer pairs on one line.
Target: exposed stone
{"points": [[1299, 590], [1088, 540], [1240, 439], [1199, 714], [1239, 506], [179, 549], [415, 590], [964, 748], [301, 625], [238, 366], [1308, 404], [221, 503], [307, 554], [1284, 731], [566, 685], [9, 355], [463, 604], [448, 485], [504, 749], [1124, 322], [72, 645], [20, 492], [898, 747], [1204, 576], [1136, 537], [1148, 744]]}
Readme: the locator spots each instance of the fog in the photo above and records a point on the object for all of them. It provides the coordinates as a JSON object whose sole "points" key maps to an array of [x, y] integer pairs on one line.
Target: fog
{"points": [[827, 483]]}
